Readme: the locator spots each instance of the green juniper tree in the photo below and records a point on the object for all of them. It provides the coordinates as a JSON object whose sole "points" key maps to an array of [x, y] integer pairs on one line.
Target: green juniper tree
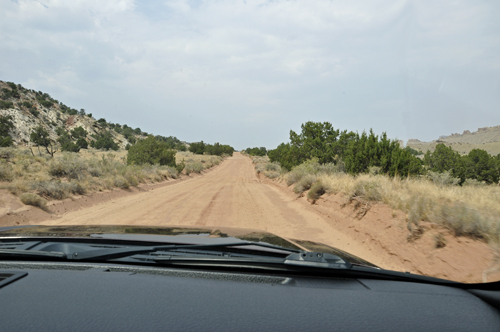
{"points": [[40, 136], [6, 125], [151, 151]]}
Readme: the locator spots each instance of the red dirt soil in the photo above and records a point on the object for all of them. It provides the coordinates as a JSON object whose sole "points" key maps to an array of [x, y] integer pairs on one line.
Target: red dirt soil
{"points": [[232, 195]]}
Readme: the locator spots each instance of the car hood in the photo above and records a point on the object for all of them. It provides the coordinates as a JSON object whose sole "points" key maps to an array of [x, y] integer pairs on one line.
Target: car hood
{"points": [[173, 234]]}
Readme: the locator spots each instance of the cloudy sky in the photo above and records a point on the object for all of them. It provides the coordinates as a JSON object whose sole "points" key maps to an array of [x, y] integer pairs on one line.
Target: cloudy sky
{"points": [[246, 72]]}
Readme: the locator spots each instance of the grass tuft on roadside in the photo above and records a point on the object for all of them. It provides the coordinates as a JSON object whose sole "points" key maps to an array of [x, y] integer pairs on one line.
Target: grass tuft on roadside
{"points": [[316, 191], [195, 163], [34, 200]]}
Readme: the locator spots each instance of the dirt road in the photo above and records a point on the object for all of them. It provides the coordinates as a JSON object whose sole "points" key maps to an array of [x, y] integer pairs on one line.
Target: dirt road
{"points": [[230, 195]]}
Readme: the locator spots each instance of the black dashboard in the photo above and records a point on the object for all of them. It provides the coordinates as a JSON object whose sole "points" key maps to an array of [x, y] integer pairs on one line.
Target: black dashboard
{"points": [[91, 297]]}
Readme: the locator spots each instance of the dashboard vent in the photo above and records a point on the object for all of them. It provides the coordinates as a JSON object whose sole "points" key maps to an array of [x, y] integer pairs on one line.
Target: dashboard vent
{"points": [[10, 276]]}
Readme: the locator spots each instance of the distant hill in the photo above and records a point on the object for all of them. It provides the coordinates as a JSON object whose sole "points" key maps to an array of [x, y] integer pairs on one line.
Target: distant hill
{"points": [[487, 138]]}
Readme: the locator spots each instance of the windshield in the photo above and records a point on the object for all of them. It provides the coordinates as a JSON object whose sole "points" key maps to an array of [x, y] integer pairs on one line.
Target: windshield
{"points": [[369, 127]]}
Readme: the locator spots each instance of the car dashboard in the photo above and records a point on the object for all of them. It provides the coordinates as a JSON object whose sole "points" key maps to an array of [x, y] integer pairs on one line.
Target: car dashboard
{"points": [[100, 296]]}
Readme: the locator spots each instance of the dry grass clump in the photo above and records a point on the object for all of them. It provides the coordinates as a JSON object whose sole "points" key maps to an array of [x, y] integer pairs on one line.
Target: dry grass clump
{"points": [[121, 182], [272, 174], [273, 167], [35, 200], [17, 187], [304, 183], [58, 189], [369, 189], [293, 177], [313, 167], [439, 241], [70, 165], [260, 168], [443, 179], [264, 166], [260, 159], [215, 160], [196, 163], [271, 170], [98, 154], [7, 153], [464, 220], [6, 172], [154, 173], [316, 191], [196, 167]]}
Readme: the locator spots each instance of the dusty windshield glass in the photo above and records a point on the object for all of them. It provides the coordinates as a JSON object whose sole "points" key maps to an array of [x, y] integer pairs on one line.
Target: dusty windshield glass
{"points": [[371, 127]]}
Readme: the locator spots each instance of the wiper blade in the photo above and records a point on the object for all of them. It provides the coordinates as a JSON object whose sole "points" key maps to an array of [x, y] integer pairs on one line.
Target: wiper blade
{"points": [[194, 254], [300, 260], [115, 253], [13, 253]]}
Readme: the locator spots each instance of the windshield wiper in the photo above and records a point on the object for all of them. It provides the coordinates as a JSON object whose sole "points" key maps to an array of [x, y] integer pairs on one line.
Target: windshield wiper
{"points": [[115, 253], [247, 254]]}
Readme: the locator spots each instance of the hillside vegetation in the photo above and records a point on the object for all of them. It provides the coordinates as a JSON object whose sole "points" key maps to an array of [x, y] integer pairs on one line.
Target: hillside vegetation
{"points": [[50, 151], [445, 188]]}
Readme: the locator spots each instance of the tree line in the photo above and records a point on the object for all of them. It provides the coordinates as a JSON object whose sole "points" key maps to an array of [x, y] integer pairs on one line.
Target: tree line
{"points": [[216, 149], [262, 151], [365, 151]]}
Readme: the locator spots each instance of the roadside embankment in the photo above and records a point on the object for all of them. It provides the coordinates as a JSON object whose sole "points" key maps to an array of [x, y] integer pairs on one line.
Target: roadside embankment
{"points": [[444, 231]]}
